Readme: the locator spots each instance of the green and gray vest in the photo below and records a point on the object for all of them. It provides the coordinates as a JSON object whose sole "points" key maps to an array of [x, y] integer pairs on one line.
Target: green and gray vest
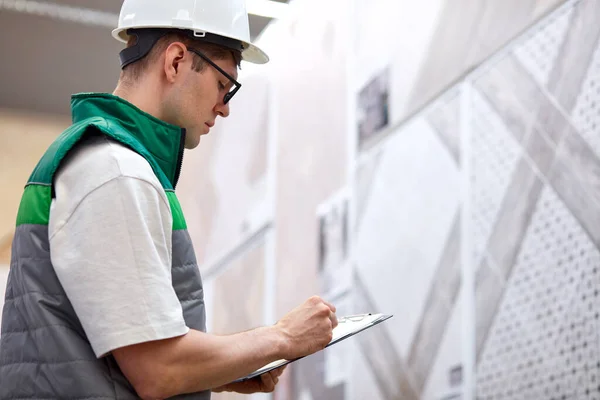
{"points": [[44, 351]]}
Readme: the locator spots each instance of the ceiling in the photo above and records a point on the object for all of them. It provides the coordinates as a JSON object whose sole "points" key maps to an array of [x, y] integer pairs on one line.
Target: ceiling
{"points": [[45, 60]]}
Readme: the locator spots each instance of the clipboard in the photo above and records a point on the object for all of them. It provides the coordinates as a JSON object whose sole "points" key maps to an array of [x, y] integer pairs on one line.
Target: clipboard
{"points": [[347, 326]]}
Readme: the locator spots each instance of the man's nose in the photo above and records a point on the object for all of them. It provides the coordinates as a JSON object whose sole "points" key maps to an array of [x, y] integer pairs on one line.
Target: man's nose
{"points": [[222, 109]]}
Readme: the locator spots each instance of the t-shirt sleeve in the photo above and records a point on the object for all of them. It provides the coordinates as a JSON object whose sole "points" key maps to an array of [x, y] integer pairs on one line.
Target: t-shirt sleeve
{"points": [[112, 255]]}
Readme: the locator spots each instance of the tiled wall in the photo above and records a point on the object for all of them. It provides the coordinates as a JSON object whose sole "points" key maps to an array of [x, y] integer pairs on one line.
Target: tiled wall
{"points": [[506, 154], [537, 288], [526, 121]]}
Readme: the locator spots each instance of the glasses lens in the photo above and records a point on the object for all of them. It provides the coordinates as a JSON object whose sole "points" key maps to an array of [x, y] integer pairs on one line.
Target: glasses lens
{"points": [[233, 91]]}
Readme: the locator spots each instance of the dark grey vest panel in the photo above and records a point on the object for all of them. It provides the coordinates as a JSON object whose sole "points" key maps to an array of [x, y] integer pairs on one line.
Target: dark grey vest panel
{"points": [[44, 352], [188, 286]]}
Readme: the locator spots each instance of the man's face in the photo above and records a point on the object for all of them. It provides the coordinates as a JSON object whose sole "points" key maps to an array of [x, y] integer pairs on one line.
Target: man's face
{"points": [[197, 99]]}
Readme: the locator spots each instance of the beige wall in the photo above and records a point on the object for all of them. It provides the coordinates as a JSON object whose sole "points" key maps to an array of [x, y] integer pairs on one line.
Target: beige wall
{"points": [[24, 136]]}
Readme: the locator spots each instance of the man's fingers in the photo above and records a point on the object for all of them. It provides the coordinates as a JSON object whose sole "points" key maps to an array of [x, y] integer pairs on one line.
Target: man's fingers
{"points": [[279, 371], [332, 316], [331, 306], [275, 377], [334, 320], [268, 382]]}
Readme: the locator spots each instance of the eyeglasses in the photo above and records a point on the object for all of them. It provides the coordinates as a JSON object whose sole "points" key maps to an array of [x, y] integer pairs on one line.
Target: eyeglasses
{"points": [[236, 85]]}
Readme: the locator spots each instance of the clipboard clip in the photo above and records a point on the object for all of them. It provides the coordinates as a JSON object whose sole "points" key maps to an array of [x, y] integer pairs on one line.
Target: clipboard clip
{"points": [[353, 318]]}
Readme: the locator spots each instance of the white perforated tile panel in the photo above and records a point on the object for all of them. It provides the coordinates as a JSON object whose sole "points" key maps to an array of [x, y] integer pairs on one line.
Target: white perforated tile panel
{"points": [[544, 342], [586, 114], [494, 157], [540, 47]]}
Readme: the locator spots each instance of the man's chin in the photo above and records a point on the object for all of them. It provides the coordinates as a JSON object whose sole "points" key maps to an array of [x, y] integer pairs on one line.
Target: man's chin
{"points": [[191, 142]]}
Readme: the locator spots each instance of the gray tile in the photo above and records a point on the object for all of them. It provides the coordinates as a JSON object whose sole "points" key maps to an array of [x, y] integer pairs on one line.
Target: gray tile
{"points": [[488, 272], [458, 21], [575, 176], [521, 102], [513, 93], [428, 338], [514, 217], [495, 155], [542, 7], [310, 375], [540, 149], [468, 32], [586, 113], [365, 176], [569, 72], [436, 313], [489, 289], [517, 96], [504, 246], [445, 120], [552, 120], [499, 22], [447, 279], [394, 378], [576, 54]]}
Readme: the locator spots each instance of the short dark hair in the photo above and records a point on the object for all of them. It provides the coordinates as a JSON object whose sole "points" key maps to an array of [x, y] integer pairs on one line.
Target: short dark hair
{"points": [[134, 71]]}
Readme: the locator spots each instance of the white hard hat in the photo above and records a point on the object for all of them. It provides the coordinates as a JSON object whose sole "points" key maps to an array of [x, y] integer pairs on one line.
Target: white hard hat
{"points": [[225, 19]]}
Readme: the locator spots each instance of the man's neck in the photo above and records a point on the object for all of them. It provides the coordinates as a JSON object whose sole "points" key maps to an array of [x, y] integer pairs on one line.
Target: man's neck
{"points": [[141, 96]]}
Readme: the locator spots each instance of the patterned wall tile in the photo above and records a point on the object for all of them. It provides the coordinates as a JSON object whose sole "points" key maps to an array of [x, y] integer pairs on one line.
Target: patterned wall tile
{"points": [[544, 341], [541, 46]]}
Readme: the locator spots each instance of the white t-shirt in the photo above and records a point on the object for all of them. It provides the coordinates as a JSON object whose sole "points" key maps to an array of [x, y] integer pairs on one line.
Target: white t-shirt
{"points": [[110, 244]]}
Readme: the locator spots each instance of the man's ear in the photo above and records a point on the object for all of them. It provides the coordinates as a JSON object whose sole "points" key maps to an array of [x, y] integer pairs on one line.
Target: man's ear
{"points": [[175, 56]]}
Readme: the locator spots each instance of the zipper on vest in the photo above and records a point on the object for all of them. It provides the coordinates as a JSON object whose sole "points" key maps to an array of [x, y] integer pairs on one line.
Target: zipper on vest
{"points": [[179, 158]]}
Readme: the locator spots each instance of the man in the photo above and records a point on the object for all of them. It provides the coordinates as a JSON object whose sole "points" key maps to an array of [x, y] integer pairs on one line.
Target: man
{"points": [[104, 299]]}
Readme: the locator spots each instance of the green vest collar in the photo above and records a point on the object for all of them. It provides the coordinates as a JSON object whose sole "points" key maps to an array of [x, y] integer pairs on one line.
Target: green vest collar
{"points": [[165, 142]]}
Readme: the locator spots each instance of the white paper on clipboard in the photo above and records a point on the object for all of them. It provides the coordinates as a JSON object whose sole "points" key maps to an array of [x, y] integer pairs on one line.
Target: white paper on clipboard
{"points": [[347, 326]]}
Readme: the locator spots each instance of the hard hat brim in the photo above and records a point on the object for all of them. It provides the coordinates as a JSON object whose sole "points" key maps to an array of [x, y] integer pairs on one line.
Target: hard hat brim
{"points": [[251, 53]]}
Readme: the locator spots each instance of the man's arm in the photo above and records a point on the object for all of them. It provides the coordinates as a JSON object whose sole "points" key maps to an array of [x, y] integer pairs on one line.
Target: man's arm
{"points": [[199, 361], [110, 241]]}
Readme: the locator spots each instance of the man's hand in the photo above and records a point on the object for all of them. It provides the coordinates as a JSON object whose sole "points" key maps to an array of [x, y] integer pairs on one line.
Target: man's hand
{"points": [[264, 383], [307, 328]]}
